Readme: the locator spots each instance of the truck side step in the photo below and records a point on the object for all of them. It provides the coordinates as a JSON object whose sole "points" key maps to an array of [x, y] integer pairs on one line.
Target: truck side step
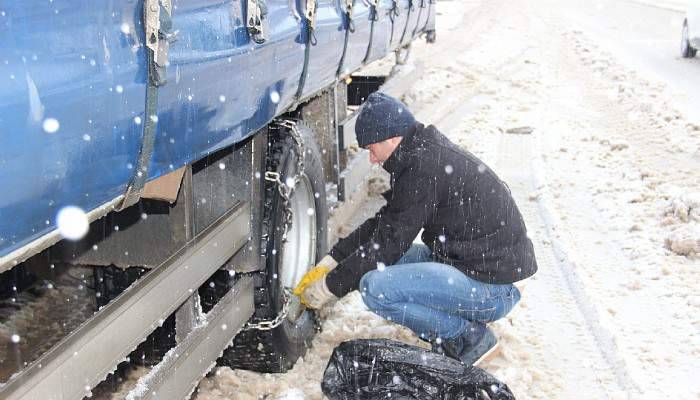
{"points": [[182, 368]]}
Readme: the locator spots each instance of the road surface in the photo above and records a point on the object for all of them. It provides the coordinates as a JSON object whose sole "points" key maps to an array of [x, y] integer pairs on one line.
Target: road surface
{"points": [[646, 34]]}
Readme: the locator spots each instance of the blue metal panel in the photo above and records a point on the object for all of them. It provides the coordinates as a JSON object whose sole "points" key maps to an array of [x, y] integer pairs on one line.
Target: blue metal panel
{"points": [[423, 7], [222, 86], [71, 83], [326, 53], [412, 21], [430, 23], [382, 31], [359, 39], [400, 18], [72, 93]]}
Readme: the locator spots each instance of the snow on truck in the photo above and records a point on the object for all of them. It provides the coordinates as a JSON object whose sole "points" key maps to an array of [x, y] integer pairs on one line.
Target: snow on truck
{"points": [[183, 154]]}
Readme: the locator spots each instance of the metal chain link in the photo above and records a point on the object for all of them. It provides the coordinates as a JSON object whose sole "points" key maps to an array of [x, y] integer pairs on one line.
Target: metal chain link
{"points": [[275, 322], [286, 190]]}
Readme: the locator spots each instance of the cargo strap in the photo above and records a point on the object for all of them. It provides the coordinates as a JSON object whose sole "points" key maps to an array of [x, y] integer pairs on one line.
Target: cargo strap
{"points": [[408, 18], [395, 10], [373, 17], [349, 26], [420, 13], [159, 35], [393, 13], [309, 38], [431, 8]]}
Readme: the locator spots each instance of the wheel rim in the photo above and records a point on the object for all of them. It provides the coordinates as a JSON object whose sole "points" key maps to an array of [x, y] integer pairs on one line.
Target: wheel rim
{"points": [[684, 40], [300, 248]]}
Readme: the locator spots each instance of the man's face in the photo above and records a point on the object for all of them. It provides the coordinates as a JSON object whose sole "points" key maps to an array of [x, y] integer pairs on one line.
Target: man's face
{"points": [[380, 151]]}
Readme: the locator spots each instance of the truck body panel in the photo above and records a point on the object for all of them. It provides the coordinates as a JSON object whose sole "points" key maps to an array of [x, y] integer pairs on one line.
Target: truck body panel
{"points": [[222, 86], [72, 84], [358, 37], [74, 80]]}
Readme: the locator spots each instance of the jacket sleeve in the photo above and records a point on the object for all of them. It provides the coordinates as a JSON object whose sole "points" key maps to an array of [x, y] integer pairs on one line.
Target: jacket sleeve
{"points": [[353, 241], [359, 237], [409, 207]]}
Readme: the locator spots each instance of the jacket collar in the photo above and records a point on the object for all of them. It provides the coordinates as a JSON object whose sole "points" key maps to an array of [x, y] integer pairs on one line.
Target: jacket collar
{"points": [[400, 158]]}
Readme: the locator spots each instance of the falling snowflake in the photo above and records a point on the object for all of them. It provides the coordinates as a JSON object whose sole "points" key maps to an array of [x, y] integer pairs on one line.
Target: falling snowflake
{"points": [[51, 125], [15, 338], [222, 166], [72, 222], [275, 96]]}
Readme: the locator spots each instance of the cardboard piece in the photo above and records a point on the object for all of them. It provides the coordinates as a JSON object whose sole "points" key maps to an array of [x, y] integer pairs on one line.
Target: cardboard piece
{"points": [[164, 188]]}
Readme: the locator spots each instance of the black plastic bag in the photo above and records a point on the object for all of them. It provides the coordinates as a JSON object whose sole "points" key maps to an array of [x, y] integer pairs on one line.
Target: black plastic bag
{"points": [[371, 369]]}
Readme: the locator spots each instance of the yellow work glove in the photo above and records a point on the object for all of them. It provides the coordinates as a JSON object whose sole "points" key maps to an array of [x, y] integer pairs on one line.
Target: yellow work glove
{"points": [[312, 289]]}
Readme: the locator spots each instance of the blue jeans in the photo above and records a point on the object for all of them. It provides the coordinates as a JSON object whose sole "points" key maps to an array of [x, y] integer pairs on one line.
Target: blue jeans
{"points": [[433, 299]]}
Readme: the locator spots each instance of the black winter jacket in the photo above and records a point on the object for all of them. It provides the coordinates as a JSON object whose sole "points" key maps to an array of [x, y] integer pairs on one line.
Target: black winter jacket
{"points": [[469, 217]]}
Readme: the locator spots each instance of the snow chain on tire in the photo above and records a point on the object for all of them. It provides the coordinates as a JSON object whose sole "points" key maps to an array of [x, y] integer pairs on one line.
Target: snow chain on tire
{"points": [[286, 190]]}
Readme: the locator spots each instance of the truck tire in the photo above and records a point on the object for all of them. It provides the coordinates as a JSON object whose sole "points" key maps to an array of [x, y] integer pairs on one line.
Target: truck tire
{"points": [[278, 349], [687, 51]]}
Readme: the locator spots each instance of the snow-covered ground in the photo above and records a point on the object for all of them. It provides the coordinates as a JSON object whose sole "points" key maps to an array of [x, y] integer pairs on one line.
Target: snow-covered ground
{"points": [[609, 184]]}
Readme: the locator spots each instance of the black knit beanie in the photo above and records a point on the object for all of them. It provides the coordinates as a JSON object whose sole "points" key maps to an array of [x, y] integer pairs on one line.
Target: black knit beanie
{"points": [[382, 117]]}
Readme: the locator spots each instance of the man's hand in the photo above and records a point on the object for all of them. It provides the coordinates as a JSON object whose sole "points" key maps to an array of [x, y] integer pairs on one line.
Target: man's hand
{"points": [[312, 289], [317, 295]]}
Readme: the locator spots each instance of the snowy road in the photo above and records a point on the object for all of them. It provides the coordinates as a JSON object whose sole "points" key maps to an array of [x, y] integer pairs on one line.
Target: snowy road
{"points": [[607, 181], [646, 36]]}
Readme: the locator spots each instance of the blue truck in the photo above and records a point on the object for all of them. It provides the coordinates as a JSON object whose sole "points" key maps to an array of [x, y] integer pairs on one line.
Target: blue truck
{"points": [[191, 147]]}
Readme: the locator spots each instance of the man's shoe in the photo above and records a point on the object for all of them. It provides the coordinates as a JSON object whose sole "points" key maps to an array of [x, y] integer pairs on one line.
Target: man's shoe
{"points": [[472, 348]]}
